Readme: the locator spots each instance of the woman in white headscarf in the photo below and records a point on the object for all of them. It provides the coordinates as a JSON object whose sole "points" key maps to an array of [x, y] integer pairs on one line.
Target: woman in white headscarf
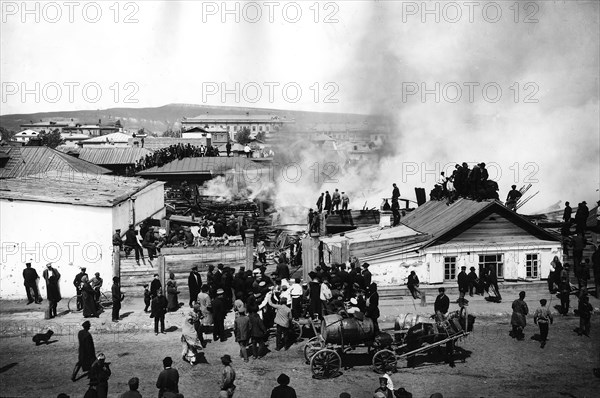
{"points": [[191, 345]]}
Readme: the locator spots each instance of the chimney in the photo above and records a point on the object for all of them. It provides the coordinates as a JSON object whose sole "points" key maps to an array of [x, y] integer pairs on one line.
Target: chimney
{"points": [[385, 218]]}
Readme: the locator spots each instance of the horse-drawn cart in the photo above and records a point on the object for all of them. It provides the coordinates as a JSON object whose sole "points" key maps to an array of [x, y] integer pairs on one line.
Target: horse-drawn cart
{"points": [[325, 351]]}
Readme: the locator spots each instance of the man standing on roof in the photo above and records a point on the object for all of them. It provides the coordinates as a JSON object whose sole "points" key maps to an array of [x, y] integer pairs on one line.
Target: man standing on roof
{"points": [[345, 201], [513, 197], [567, 213], [320, 202], [395, 204]]}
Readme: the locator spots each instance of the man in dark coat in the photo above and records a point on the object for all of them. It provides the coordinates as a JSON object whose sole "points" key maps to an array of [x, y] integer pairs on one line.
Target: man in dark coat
{"points": [[158, 311], [581, 217], [463, 282], [373, 306], [596, 268], [87, 351], [30, 277], [473, 281], [131, 242], [328, 207], [155, 286], [366, 274], [567, 213], [117, 297], [219, 308], [413, 285], [194, 284], [441, 305], [77, 284], [168, 379], [320, 202], [99, 375], [282, 270], [52, 277]]}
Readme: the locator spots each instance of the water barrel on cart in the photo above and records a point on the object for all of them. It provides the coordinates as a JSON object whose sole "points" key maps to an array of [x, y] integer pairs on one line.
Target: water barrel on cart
{"points": [[336, 329]]}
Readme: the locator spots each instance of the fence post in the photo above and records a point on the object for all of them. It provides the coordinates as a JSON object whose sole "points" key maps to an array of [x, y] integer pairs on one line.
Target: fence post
{"points": [[249, 234], [161, 271], [116, 261]]}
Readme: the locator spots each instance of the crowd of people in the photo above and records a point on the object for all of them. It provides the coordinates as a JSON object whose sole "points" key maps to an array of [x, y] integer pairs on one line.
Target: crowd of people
{"points": [[166, 155], [464, 182]]}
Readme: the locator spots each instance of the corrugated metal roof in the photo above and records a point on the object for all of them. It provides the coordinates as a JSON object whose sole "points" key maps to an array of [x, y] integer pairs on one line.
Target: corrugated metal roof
{"points": [[26, 161], [204, 165], [436, 218], [373, 233], [113, 155], [73, 188], [114, 137]]}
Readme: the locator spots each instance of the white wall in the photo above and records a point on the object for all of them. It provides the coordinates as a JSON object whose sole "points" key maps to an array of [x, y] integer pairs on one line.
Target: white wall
{"points": [[514, 258], [40, 232], [149, 201]]}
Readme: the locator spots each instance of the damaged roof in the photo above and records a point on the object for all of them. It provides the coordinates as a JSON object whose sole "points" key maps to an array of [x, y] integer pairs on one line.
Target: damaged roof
{"points": [[25, 161], [438, 219], [211, 165], [73, 188]]}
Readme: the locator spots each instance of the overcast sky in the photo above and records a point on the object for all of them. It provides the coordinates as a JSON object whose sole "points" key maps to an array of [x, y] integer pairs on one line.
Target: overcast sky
{"points": [[512, 86]]}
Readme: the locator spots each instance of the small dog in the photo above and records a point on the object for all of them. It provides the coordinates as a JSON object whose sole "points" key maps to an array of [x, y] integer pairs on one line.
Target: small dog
{"points": [[42, 337]]}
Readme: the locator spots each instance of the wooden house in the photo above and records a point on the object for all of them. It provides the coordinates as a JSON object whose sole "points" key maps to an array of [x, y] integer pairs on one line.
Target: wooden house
{"points": [[436, 240]]}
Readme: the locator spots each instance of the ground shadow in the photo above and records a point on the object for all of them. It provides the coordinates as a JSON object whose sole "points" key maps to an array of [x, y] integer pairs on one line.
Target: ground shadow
{"points": [[47, 342], [125, 315], [123, 354], [83, 376], [8, 367], [200, 358], [353, 358], [438, 355], [171, 329]]}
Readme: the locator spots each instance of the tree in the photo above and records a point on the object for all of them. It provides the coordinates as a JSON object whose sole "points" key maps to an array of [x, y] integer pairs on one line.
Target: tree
{"points": [[172, 133], [6, 134], [118, 123], [243, 136], [52, 140], [261, 136]]}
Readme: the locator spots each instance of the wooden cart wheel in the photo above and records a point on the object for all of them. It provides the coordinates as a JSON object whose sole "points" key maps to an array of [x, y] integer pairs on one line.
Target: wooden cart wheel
{"points": [[382, 359], [312, 346], [325, 363], [296, 331]]}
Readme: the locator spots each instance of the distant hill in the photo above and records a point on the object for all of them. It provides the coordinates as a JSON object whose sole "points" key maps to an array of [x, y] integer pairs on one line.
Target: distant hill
{"points": [[159, 119]]}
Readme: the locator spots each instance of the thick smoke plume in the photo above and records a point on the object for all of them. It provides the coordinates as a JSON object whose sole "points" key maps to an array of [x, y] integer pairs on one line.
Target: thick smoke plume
{"points": [[543, 129]]}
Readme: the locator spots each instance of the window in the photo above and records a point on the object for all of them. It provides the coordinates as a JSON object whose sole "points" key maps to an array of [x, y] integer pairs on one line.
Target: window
{"points": [[267, 128], [531, 266], [253, 128], [260, 128], [449, 268], [235, 128], [495, 261]]}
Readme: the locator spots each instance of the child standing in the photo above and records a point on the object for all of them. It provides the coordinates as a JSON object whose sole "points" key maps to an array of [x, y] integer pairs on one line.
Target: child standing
{"points": [[585, 313], [543, 318], [146, 298]]}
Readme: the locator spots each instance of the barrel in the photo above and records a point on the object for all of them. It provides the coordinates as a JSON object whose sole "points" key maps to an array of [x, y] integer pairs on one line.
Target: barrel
{"points": [[336, 329]]}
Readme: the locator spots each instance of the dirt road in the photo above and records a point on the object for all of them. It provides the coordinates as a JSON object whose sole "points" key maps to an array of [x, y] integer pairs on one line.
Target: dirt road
{"points": [[494, 365]]}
